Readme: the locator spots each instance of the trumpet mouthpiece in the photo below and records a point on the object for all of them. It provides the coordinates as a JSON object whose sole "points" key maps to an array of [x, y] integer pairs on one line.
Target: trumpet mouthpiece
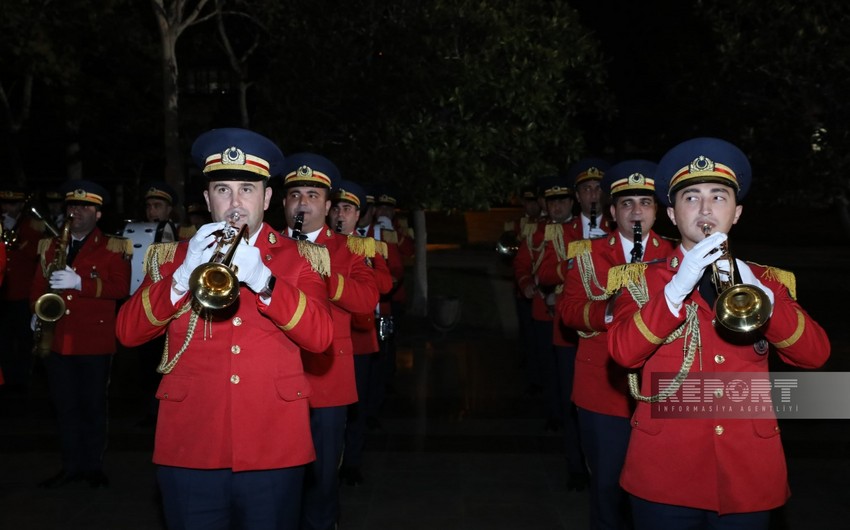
{"points": [[706, 229]]}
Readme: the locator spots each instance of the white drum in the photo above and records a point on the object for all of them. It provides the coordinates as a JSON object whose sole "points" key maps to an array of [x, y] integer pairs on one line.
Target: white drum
{"points": [[144, 235]]}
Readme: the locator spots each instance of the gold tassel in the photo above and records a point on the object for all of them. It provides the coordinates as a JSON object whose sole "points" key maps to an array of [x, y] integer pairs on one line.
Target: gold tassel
{"points": [[164, 253], [362, 246], [528, 229], [622, 275], [784, 277], [381, 248], [554, 231], [317, 255], [119, 245], [576, 248]]}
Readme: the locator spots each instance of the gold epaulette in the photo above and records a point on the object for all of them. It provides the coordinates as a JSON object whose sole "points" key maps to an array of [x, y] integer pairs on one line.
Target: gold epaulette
{"points": [[390, 236], [316, 255], [43, 243], [164, 253], [529, 228], [186, 232], [784, 277], [362, 246], [119, 245], [622, 275], [381, 248], [553, 232], [578, 247]]}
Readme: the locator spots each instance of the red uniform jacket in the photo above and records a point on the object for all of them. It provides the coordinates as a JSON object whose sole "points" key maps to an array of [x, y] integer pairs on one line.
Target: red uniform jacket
{"points": [[88, 327], [21, 260], [364, 335], [526, 263], [600, 384], [351, 289], [557, 239], [395, 262], [238, 397], [724, 465]]}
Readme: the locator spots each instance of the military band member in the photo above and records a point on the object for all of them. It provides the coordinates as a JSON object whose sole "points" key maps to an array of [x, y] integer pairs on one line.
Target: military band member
{"points": [[308, 182], [346, 204], [559, 364], [585, 176], [704, 472], [600, 388], [21, 234], [96, 276], [55, 201], [233, 431]]}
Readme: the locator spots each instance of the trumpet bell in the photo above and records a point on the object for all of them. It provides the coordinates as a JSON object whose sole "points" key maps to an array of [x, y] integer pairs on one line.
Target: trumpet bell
{"points": [[214, 285], [49, 307], [742, 308]]}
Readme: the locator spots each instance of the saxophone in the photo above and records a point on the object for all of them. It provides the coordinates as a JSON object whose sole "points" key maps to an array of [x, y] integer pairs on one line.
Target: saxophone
{"points": [[50, 307]]}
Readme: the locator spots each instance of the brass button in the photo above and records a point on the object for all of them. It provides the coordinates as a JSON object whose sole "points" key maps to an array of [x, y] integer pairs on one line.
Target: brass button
{"points": [[718, 430], [235, 349], [636, 423], [234, 379], [67, 311], [70, 297], [165, 395], [299, 393], [237, 321], [719, 359], [718, 393]]}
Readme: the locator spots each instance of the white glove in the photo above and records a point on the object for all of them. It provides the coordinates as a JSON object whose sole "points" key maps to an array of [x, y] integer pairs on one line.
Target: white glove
{"points": [[748, 277], [66, 279], [693, 264], [200, 250], [385, 222], [251, 271], [8, 222]]}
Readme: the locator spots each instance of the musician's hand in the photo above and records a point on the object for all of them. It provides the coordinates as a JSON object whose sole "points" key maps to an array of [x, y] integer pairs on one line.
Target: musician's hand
{"points": [[529, 291], [200, 250], [693, 264], [251, 269], [33, 321], [385, 222], [748, 277], [66, 279]]}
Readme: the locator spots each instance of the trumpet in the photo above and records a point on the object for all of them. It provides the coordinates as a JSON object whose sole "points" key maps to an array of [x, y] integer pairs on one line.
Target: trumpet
{"points": [[214, 285], [740, 307], [50, 306]]}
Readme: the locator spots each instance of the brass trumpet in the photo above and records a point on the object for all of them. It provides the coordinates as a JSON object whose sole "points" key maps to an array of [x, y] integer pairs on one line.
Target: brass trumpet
{"points": [[740, 307], [214, 284]]}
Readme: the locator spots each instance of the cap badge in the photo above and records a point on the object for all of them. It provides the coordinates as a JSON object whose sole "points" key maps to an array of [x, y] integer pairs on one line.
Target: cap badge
{"points": [[272, 238], [594, 172], [637, 179], [233, 155], [674, 262], [304, 172], [79, 193], [700, 164]]}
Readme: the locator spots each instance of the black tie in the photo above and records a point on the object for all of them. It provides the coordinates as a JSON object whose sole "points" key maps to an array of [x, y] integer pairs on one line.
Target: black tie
{"points": [[361, 231], [76, 245], [706, 286], [637, 252]]}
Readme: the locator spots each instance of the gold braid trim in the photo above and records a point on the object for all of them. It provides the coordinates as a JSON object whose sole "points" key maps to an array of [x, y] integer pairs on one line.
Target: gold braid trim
{"points": [[317, 256], [98, 290], [689, 331], [651, 337], [784, 277], [555, 233], [340, 286], [299, 312], [528, 229], [43, 244], [162, 253], [146, 304], [362, 246], [801, 327], [119, 245]]}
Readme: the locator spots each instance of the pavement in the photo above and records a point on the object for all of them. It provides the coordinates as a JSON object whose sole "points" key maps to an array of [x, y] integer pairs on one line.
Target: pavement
{"points": [[461, 446]]}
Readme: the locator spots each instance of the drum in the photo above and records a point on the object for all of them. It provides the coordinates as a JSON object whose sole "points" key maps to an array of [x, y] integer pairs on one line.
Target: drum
{"points": [[143, 235]]}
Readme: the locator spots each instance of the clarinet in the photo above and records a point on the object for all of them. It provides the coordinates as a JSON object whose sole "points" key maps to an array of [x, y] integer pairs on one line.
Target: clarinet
{"points": [[637, 238], [338, 226], [593, 214], [297, 225]]}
